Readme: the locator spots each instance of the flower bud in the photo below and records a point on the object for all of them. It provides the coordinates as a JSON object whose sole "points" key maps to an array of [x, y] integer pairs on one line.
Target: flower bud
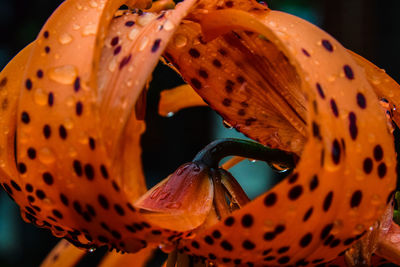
{"points": [[182, 201]]}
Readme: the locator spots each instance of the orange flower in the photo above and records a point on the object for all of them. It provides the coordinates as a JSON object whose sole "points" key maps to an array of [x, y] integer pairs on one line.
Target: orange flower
{"points": [[75, 115]]}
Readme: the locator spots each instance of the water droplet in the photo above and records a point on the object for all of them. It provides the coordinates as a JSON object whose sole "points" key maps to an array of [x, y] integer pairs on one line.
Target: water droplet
{"points": [[65, 38], [40, 97], [64, 74], [182, 169], [70, 101], [375, 199], [164, 195], [173, 205], [143, 43], [155, 193], [133, 34], [167, 248], [72, 152], [93, 4], [145, 19], [180, 40], [170, 114], [76, 27], [196, 168], [92, 249], [253, 160], [89, 29], [359, 229], [278, 167], [69, 123], [46, 156], [168, 25], [113, 65], [226, 124]]}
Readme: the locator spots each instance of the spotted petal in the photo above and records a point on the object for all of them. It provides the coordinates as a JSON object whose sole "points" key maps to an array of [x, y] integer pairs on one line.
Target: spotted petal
{"points": [[346, 172]]}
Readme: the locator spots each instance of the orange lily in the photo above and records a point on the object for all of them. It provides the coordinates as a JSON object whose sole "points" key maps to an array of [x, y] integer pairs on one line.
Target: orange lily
{"points": [[74, 111]]}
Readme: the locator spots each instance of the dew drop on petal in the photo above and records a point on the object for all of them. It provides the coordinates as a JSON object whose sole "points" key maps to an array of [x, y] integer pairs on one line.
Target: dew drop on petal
{"points": [[143, 43], [226, 124], [145, 19], [65, 38], [168, 25], [133, 34], [113, 65], [93, 4], [180, 40], [170, 114], [89, 29], [64, 74], [40, 97], [46, 156]]}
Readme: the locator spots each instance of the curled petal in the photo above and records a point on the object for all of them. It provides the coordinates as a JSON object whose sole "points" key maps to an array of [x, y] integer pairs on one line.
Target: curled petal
{"points": [[181, 97], [339, 187], [182, 201], [139, 259], [74, 142], [64, 254]]}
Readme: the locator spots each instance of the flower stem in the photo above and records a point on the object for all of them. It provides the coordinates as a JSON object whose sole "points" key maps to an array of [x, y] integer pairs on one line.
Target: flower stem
{"points": [[213, 153]]}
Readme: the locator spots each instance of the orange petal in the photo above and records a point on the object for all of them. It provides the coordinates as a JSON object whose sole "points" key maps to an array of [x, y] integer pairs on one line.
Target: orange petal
{"points": [[182, 201], [384, 86], [138, 259], [161, 5], [173, 100], [77, 175], [255, 93], [64, 254], [10, 83], [346, 172]]}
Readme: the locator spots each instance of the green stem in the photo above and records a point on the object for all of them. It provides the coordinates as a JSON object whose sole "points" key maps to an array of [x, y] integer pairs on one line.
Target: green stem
{"points": [[213, 153]]}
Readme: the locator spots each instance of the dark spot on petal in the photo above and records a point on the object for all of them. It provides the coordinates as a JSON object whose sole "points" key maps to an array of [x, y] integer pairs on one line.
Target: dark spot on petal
{"points": [[270, 199], [378, 153], [361, 101], [156, 45], [336, 151], [348, 71], [48, 178], [308, 214], [25, 117], [334, 108], [327, 201], [194, 53], [353, 125], [367, 165], [28, 84], [47, 131], [196, 83], [328, 46], [356, 199], [79, 108], [382, 170], [295, 192]]}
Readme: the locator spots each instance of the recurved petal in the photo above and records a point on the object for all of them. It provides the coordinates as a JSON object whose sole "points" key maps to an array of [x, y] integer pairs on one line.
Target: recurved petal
{"points": [[173, 100], [385, 87], [10, 84], [64, 254], [346, 173], [180, 202], [138, 259], [255, 93], [67, 181]]}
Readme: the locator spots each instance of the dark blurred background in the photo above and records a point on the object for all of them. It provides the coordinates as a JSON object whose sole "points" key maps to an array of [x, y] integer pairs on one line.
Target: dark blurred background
{"points": [[368, 27]]}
